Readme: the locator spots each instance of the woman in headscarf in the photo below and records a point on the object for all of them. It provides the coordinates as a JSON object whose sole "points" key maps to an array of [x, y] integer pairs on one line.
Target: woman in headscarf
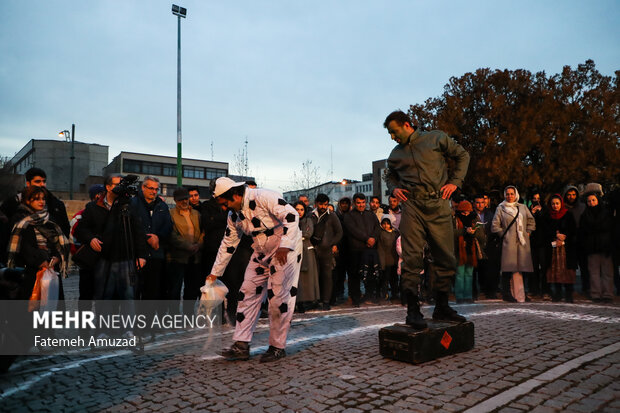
{"points": [[36, 243], [309, 292], [513, 222], [560, 232], [596, 235]]}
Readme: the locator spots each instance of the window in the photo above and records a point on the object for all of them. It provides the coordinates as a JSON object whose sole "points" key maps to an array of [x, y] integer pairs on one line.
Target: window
{"points": [[131, 165], [193, 172], [169, 170], [215, 173], [151, 168]]}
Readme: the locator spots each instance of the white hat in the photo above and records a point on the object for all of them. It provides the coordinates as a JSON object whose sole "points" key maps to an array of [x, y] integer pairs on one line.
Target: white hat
{"points": [[223, 184]]}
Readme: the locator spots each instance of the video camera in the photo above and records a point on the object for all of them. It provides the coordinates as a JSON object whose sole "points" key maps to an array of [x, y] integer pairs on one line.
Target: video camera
{"points": [[127, 187]]}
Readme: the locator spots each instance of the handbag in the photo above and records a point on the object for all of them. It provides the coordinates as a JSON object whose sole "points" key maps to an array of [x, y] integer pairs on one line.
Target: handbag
{"points": [[85, 257]]}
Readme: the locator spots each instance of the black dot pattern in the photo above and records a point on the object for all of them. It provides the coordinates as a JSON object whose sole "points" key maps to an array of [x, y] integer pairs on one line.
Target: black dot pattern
{"points": [[299, 258], [270, 294], [240, 296], [269, 232], [240, 317], [227, 232], [259, 289], [233, 216], [293, 291], [230, 250], [256, 222], [284, 230], [261, 256], [283, 308], [241, 216], [290, 217], [252, 205], [260, 270], [281, 201], [272, 269]]}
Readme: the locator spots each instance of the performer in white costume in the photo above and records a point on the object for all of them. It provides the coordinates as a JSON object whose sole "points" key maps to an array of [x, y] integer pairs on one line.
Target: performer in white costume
{"points": [[273, 269]]}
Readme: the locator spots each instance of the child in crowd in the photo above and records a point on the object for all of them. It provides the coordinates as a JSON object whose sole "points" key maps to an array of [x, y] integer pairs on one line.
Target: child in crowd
{"points": [[388, 258]]}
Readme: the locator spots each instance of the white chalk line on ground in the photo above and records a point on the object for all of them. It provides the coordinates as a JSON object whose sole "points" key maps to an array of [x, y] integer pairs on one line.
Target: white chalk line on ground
{"points": [[555, 373], [548, 314]]}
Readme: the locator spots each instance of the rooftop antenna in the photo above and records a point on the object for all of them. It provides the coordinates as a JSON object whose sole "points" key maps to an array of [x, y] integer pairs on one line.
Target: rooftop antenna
{"points": [[245, 160], [331, 167]]}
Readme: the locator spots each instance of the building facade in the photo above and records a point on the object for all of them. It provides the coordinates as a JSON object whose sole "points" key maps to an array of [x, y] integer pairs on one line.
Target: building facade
{"points": [[334, 190], [197, 173], [54, 157]]}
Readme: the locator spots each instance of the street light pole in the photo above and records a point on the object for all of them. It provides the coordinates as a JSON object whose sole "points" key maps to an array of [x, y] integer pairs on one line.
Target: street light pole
{"points": [[71, 136], [179, 12]]}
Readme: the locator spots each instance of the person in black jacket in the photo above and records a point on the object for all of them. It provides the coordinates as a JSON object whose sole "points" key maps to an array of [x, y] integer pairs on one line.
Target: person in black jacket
{"points": [[538, 285], [327, 235], [363, 232], [596, 234], [118, 237], [154, 216], [55, 207]]}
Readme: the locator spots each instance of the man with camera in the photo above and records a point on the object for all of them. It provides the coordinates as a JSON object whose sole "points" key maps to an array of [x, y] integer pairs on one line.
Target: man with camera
{"points": [[327, 234], [119, 241]]}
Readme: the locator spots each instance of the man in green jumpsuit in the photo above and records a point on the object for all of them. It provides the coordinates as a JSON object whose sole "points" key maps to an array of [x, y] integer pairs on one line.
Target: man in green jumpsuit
{"points": [[418, 176]]}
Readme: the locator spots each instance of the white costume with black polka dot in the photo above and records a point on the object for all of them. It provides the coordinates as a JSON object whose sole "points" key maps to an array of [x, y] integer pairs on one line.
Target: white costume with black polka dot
{"points": [[273, 224]]}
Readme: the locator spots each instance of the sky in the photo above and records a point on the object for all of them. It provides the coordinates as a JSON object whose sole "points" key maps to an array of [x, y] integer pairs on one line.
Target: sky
{"points": [[301, 80]]}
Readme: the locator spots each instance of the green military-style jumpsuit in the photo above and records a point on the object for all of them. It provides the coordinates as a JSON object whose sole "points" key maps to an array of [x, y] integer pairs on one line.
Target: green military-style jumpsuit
{"points": [[420, 167]]}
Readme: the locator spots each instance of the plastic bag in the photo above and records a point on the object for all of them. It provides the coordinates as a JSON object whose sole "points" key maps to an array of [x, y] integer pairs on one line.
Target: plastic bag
{"points": [[49, 290], [516, 287], [35, 298], [213, 294]]}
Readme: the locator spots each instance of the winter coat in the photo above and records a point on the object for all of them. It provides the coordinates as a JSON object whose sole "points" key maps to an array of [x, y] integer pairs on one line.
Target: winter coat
{"points": [[596, 230], [180, 246], [565, 225], [155, 219], [107, 226], [328, 231], [387, 248], [361, 226], [308, 274], [515, 257]]}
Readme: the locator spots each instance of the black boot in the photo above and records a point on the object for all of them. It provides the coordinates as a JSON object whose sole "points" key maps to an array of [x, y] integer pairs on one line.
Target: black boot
{"points": [[443, 312], [240, 350], [414, 318]]}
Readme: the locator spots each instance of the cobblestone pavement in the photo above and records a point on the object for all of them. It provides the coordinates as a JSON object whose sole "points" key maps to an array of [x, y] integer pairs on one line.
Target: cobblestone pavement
{"points": [[535, 356]]}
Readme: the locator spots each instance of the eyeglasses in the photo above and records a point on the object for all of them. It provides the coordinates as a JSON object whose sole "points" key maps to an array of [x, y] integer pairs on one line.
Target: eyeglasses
{"points": [[150, 188]]}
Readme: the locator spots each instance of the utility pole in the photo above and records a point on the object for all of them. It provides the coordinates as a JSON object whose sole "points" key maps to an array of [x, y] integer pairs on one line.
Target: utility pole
{"points": [[179, 12]]}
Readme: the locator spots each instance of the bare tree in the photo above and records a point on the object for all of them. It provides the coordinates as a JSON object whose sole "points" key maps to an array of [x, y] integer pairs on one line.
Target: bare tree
{"points": [[307, 177], [240, 161]]}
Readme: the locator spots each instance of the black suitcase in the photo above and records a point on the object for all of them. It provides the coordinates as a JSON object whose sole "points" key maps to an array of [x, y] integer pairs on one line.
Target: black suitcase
{"points": [[441, 338]]}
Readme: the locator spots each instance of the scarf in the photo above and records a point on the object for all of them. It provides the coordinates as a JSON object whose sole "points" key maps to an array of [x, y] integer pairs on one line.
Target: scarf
{"points": [[467, 244], [511, 209], [46, 232], [563, 210]]}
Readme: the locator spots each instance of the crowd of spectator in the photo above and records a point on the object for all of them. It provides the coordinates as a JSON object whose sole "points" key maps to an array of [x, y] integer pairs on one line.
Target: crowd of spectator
{"points": [[142, 251]]}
